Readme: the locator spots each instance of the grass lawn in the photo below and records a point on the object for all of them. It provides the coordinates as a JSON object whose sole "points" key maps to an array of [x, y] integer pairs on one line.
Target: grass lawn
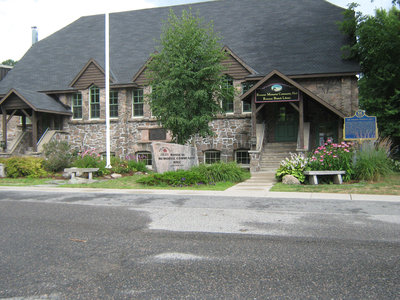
{"points": [[387, 186], [23, 181], [129, 182], [126, 182]]}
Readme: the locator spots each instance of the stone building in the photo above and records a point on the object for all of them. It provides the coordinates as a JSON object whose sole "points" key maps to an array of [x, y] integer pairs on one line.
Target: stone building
{"points": [[284, 60]]}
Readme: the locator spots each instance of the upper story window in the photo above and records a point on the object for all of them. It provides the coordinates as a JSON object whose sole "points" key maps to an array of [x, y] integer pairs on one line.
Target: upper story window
{"points": [[77, 106], [114, 104], [227, 103], [94, 98], [138, 103]]}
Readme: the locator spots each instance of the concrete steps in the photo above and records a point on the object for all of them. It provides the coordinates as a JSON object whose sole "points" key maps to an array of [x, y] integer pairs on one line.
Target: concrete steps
{"points": [[273, 154]]}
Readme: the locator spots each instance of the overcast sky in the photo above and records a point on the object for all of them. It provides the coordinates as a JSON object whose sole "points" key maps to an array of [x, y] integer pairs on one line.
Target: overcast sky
{"points": [[18, 16]]}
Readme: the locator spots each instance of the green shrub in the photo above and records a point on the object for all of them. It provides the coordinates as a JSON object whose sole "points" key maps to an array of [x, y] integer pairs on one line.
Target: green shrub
{"points": [[202, 174], [31, 167], [87, 159], [221, 171], [57, 156], [139, 166], [174, 178], [331, 156], [395, 165], [295, 166], [372, 162]]}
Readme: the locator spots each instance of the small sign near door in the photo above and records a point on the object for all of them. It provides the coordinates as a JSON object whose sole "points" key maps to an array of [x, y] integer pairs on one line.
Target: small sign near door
{"points": [[277, 92]]}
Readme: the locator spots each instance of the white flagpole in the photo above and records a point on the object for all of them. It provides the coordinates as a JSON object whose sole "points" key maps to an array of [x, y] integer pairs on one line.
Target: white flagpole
{"points": [[107, 67]]}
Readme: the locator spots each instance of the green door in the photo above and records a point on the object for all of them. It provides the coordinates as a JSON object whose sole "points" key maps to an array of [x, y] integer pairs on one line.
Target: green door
{"points": [[286, 127]]}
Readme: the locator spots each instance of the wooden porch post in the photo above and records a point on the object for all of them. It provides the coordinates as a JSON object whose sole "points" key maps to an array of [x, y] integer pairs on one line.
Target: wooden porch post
{"points": [[301, 120], [4, 112], [23, 123], [253, 121], [34, 131]]}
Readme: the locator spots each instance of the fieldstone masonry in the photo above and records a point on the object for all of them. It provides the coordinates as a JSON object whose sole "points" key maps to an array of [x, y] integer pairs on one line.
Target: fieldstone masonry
{"points": [[232, 132]]}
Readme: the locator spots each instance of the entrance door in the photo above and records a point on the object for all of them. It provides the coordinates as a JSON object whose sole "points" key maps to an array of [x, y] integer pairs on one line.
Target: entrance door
{"points": [[286, 128]]}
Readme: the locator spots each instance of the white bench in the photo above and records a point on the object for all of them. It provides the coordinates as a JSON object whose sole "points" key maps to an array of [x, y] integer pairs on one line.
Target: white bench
{"points": [[76, 171], [337, 176]]}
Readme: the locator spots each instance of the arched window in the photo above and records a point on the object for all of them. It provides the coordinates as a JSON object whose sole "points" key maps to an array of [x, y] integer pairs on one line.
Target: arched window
{"points": [[212, 156], [94, 98]]}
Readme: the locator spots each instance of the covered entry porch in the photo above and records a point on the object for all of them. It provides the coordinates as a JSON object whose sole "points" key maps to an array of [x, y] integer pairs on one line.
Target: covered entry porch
{"points": [[286, 117], [29, 115]]}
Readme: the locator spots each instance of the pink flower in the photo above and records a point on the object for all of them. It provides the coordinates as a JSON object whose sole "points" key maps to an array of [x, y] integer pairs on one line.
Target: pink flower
{"points": [[321, 160], [334, 156]]}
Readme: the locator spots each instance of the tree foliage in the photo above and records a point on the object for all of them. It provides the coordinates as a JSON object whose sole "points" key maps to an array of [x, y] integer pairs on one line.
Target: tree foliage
{"points": [[186, 76], [376, 44], [9, 62]]}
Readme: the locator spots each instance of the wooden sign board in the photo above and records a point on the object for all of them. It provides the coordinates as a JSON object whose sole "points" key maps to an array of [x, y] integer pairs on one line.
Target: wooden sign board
{"points": [[277, 92]]}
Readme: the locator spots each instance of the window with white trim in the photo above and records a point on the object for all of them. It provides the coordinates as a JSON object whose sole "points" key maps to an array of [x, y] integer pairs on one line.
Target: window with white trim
{"points": [[77, 106], [113, 104], [94, 102], [212, 156], [137, 103], [242, 157], [145, 156], [227, 103]]}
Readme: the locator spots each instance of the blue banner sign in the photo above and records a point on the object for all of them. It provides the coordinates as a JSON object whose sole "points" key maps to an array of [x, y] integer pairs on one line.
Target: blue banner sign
{"points": [[360, 127]]}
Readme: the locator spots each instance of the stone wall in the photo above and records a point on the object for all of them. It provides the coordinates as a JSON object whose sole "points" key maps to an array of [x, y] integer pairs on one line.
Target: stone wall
{"points": [[230, 134], [340, 92]]}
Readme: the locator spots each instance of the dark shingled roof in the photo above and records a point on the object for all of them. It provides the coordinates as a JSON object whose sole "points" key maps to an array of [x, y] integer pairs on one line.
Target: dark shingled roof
{"points": [[39, 101], [295, 37]]}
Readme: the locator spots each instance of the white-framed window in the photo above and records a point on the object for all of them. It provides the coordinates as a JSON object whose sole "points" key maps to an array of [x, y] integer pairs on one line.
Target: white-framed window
{"points": [[227, 103], [145, 156], [77, 106], [212, 156], [137, 103], [94, 102], [242, 157], [113, 104]]}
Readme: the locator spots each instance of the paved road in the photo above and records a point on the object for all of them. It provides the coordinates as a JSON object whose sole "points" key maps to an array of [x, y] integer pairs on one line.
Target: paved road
{"points": [[72, 245]]}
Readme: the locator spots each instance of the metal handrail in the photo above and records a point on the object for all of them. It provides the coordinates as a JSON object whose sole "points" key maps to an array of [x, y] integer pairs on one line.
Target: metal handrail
{"points": [[43, 135]]}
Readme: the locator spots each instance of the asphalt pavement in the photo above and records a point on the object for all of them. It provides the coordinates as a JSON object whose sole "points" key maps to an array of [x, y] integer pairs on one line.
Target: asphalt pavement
{"points": [[242, 243]]}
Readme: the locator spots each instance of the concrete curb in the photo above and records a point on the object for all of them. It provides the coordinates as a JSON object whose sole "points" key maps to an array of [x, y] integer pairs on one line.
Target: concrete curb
{"points": [[238, 193]]}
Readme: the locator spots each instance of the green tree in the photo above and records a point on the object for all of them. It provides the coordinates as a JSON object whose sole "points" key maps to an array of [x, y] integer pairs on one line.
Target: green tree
{"points": [[9, 62], [186, 76], [376, 44]]}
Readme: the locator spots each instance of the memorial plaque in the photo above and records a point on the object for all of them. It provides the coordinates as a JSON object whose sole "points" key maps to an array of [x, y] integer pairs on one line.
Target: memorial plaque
{"points": [[158, 134], [360, 127], [277, 92], [172, 157]]}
